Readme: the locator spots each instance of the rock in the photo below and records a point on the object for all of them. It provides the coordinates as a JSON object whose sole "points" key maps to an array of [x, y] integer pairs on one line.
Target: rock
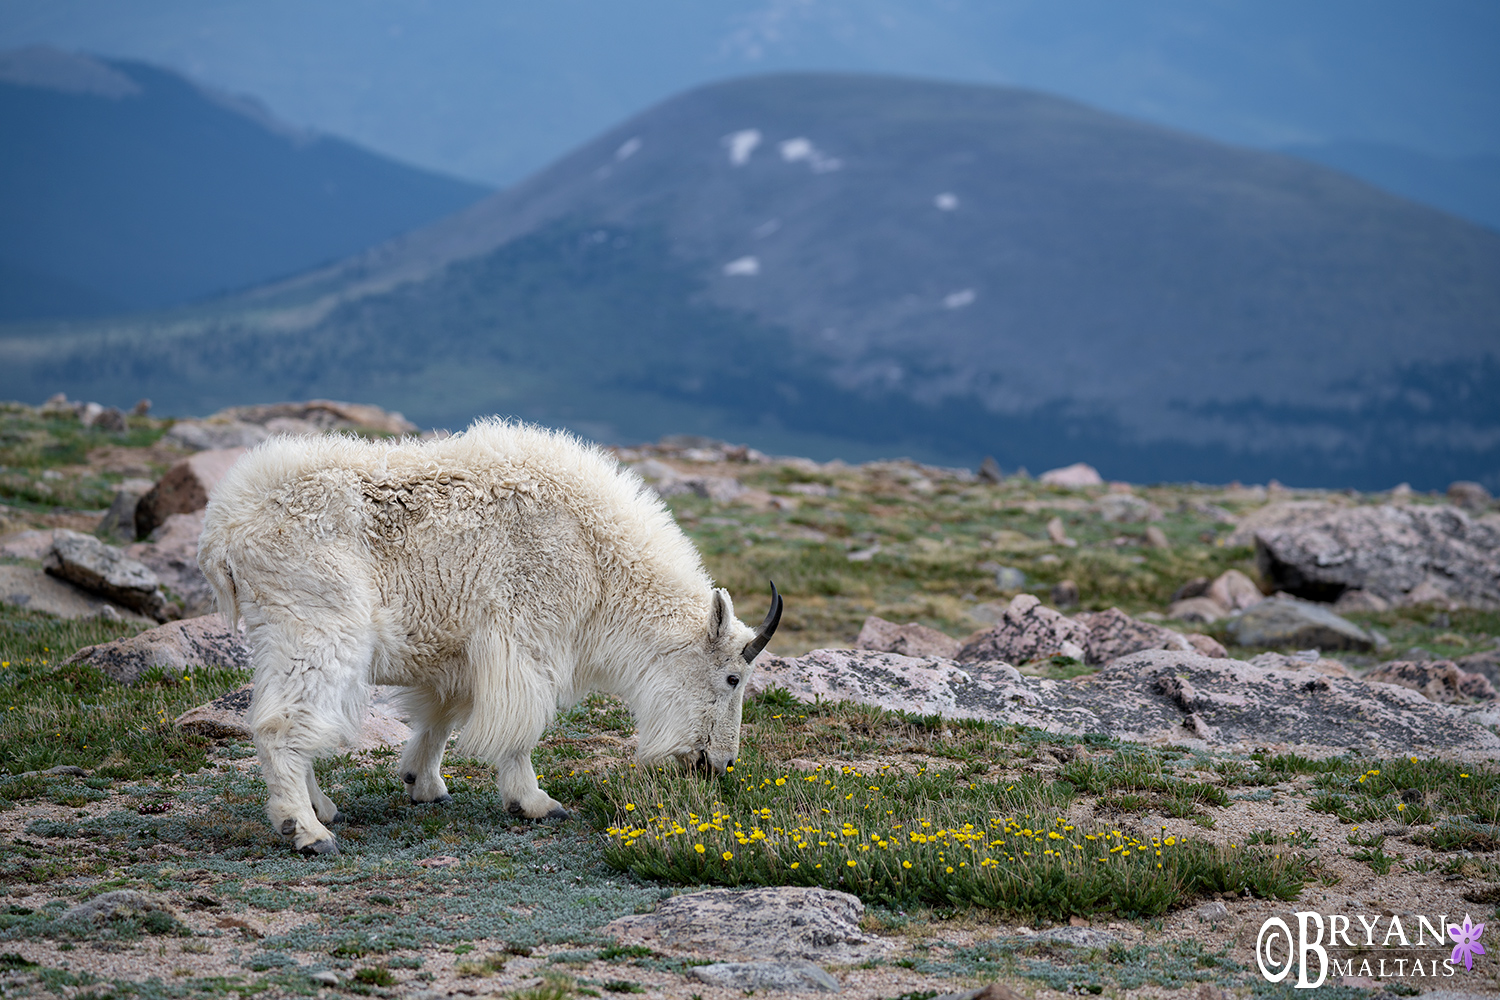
{"points": [[1281, 515], [247, 426], [782, 922], [1206, 644], [1065, 594], [1160, 697], [1306, 659], [109, 418], [1212, 910], [1028, 631], [115, 905], [205, 435], [87, 562], [1234, 591], [1073, 476], [171, 553], [1197, 609], [753, 976], [989, 470], [1360, 600], [669, 482], [118, 523], [908, 640], [1485, 663], [25, 587], [1156, 538], [1404, 555], [1006, 577], [177, 646], [224, 719], [1437, 680], [1058, 533], [926, 685], [1113, 634], [324, 977], [1470, 495], [184, 489], [1125, 508], [1078, 937], [1283, 621]]}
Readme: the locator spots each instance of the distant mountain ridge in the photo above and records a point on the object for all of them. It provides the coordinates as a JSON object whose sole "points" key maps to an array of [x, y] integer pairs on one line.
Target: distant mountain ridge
{"points": [[127, 186], [853, 265]]}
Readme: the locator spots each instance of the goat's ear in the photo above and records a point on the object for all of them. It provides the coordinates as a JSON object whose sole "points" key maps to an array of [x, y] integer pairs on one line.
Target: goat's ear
{"points": [[720, 617]]}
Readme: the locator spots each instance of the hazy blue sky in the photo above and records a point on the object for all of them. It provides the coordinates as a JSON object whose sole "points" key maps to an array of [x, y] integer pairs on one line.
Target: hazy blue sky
{"points": [[492, 89]]}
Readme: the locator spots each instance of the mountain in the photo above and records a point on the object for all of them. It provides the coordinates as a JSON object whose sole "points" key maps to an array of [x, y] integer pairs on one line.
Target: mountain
{"points": [[1466, 186], [129, 187], [855, 265]]}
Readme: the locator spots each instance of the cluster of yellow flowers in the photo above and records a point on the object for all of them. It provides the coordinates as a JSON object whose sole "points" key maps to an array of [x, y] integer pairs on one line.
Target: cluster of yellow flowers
{"points": [[798, 837]]}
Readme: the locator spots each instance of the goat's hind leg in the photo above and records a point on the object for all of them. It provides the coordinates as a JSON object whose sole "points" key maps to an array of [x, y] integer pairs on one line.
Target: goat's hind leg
{"points": [[422, 761], [306, 702]]}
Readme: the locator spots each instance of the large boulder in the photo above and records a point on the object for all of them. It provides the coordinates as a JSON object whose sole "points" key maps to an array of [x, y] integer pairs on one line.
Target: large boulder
{"points": [[247, 426], [911, 639], [1286, 622], [171, 552], [1113, 633], [118, 523], [184, 489], [781, 922], [1281, 514], [102, 569], [924, 685], [176, 647], [1402, 554]]}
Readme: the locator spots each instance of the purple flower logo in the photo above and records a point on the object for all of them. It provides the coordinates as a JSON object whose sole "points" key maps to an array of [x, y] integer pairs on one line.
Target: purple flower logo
{"points": [[1468, 945]]}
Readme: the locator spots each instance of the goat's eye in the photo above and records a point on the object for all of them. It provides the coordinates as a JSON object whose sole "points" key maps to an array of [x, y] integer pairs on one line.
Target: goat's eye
{"points": [[733, 679]]}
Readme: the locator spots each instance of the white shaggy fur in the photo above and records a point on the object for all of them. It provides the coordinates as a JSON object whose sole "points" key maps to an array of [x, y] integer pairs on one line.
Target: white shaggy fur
{"points": [[494, 574]]}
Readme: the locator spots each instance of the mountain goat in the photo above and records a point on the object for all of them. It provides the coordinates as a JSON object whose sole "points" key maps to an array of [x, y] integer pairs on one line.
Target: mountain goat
{"points": [[493, 574]]}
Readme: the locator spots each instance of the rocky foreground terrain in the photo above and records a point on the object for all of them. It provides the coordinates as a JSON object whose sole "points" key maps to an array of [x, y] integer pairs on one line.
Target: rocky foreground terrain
{"points": [[1303, 674]]}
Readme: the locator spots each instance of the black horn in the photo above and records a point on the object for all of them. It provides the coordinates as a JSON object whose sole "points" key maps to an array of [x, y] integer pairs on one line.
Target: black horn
{"points": [[767, 628]]}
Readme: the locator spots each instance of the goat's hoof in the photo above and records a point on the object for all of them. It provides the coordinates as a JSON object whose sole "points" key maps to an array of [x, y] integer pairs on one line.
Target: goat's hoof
{"points": [[514, 808], [443, 800], [288, 827], [317, 847], [559, 813]]}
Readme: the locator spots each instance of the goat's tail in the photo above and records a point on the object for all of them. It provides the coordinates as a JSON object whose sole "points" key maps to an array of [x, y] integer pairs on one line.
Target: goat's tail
{"points": [[213, 560]]}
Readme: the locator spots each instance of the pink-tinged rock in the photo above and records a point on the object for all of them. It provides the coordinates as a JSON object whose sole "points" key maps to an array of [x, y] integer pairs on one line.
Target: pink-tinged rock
{"points": [[1282, 514], [184, 489], [1235, 591], [1072, 476], [1439, 680], [1113, 633], [224, 719], [1360, 600], [178, 647], [925, 685], [911, 639], [1404, 555], [1206, 644], [172, 554], [1028, 631], [27, 544]]}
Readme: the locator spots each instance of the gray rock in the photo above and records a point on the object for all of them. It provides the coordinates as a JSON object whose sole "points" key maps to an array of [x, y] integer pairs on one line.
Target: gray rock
{"points": [[928, 685], [176, 646], [765, 976], [1065, 594], [1212, 910], [171, 552], [1470, 495], [1282, 622], [25, 587], [206, 435], [184, 489], [115, 905], [118, 523], [994, 991], [989, 470], [1360, 600], [1074, 476], [783, 923], [1009, 578], [1402, 554], [1156, 538], [1280, 515], [1197, 609], [1126, 508], [324, 977], [104, 570], [909, 640]]}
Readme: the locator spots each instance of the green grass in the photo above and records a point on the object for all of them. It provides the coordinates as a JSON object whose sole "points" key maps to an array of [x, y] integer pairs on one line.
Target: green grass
{"points": [[42, 458]]}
